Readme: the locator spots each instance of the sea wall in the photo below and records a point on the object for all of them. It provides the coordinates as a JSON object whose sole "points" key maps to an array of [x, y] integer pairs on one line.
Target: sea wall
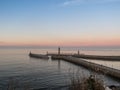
{"points": [[89, 65], [108, 58]]}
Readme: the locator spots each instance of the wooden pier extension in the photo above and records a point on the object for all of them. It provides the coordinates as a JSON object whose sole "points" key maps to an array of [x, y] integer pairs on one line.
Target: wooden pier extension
{"points": [[89, 65]]}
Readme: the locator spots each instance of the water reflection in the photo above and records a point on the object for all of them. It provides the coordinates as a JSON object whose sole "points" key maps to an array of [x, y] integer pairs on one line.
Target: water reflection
{"points": [[59, 64]]}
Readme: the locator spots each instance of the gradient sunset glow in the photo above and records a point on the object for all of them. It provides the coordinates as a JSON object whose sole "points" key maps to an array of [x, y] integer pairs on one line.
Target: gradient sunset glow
{"points": [[59, 23]]}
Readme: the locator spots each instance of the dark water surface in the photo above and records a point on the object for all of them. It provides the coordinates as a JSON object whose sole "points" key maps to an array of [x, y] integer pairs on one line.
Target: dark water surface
{"points": [[16, 66]]}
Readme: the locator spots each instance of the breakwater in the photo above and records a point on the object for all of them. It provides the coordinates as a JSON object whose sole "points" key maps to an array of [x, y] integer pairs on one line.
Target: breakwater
{"points": [[38, 56], [96, 57], [108, 58], [89, 65]]}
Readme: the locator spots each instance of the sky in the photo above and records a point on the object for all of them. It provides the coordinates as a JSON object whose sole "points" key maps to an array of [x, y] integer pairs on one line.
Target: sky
{"points": [[59, 22]]}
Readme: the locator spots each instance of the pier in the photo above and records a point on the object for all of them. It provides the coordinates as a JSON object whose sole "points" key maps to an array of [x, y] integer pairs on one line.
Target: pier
{"points": [[84, 56], [38, 56], [108, 58], [77, 59], [89, 65]]}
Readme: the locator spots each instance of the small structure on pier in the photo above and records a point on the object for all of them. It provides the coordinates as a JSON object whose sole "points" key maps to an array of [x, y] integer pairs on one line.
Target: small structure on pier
{"points": [[47, 53], [58, 50]]}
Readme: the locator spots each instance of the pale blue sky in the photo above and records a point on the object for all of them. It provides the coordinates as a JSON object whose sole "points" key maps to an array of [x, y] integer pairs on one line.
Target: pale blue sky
{"points": [[60, 22]]}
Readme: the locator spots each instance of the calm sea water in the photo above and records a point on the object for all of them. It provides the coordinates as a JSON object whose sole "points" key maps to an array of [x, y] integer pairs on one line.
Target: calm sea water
{"points": [[17, 67]]}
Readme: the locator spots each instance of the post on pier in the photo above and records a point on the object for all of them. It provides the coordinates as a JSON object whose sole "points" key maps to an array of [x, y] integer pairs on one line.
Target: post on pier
{"points": [[58, 50], [47, 53]]}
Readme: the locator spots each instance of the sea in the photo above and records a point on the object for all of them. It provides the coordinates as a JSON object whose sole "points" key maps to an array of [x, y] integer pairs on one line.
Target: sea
{"points": [[20, 71]]}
